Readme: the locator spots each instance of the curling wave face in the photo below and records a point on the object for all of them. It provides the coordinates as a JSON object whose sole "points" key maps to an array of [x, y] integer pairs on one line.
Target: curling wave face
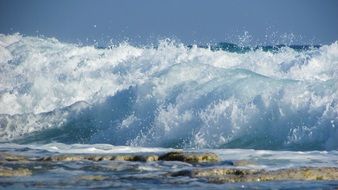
{"points": [[168, 96]]}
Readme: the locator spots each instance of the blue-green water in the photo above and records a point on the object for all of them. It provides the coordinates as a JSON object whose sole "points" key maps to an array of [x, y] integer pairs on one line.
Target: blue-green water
{"points": [[171, 95]]}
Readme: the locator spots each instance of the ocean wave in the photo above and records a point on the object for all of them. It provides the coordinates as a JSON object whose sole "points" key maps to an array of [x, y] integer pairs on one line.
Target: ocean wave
{"points": [[172, 95]]}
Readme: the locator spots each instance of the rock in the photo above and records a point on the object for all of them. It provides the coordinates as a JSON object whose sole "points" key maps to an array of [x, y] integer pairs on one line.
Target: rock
{"points": [[151, 158], [92, 177], [147, 158], [10, 172], [98, 157], [119, 157], [12, 157], [58, 158], [329, 173], [136, 158], [190, 157], [77, 157], [125, 157], [224, 175], [242, 162]]}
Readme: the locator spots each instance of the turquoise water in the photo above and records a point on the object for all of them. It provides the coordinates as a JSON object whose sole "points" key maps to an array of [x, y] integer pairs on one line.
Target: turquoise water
{"points": [[172, 95]]}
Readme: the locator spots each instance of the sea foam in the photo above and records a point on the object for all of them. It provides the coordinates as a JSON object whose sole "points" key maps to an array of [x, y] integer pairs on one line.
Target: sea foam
{"points": [[170, 95]]}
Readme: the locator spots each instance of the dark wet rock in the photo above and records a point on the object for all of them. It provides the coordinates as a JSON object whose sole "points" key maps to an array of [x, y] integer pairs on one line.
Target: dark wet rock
{"points": [[77, 157], [224, 175], [118, 157], [10, 172], [190, 157], [97, 158], [13, 157], [131, 157]]}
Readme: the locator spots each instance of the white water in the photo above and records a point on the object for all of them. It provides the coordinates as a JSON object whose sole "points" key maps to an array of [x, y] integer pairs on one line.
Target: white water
{"points": [[171, 95]]}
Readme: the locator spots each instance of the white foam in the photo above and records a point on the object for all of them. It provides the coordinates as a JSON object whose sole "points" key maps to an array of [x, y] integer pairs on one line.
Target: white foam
{"points": [[191, 96], [86, 148]]}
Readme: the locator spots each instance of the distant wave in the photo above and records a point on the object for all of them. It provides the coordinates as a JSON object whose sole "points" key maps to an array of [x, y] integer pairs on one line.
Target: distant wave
{"points": [[172, 95]]}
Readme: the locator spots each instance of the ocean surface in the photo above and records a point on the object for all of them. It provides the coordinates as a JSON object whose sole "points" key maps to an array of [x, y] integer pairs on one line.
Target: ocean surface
{"points": [[239, 102]]}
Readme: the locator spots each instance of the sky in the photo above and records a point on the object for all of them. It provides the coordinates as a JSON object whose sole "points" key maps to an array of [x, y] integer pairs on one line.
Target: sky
{"points": [[189, 21]]}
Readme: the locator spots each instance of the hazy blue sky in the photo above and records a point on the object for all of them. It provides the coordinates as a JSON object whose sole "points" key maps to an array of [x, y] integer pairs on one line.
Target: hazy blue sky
{"points": [[143, 21]]}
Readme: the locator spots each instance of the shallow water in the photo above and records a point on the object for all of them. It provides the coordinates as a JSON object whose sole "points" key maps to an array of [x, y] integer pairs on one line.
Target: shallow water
{"points": [[154, 175]]}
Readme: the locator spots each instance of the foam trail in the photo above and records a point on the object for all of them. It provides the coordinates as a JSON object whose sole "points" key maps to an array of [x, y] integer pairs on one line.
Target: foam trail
{"points": [[168, 96]]}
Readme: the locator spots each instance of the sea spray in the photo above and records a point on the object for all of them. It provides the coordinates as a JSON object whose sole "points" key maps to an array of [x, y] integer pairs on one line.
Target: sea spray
{"points": [[171, 95]]}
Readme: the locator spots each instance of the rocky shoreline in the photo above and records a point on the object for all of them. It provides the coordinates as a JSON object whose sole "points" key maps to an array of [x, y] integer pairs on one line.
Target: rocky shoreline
{"points": [[226, 175], [202, 165], [188, 157]]}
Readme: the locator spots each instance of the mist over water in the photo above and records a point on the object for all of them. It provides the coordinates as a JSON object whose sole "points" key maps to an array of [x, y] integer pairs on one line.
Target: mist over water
{"points": [[171, 95]]}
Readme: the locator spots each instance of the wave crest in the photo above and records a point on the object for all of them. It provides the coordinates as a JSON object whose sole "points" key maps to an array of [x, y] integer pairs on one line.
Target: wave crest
{"points": [[171, 95]]}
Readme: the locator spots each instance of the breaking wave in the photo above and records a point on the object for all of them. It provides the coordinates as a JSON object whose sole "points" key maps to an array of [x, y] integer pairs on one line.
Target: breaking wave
{"points": [[171, 95]]}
